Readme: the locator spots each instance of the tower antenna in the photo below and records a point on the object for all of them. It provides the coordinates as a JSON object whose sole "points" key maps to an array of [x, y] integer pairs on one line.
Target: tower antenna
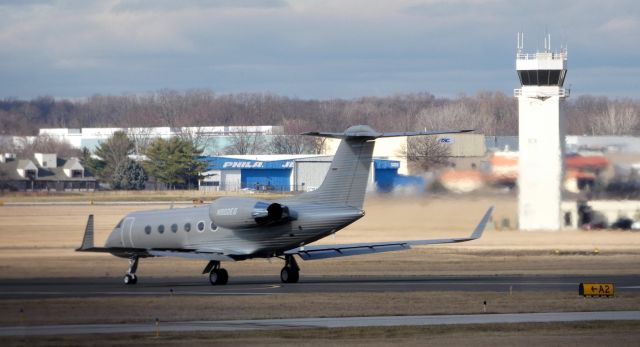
{"points": [[520, 44]]}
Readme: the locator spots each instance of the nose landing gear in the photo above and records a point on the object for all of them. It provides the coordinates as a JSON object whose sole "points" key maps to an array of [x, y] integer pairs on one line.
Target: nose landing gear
{"points": [[130, 277]]}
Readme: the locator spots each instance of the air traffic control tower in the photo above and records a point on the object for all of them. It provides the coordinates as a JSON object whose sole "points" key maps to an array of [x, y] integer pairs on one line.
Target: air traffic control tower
{"points": [[541, 136]]}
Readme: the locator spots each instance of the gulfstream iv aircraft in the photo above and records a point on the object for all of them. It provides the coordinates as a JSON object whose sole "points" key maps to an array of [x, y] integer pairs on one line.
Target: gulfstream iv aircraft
{"points": [[238, 228]]}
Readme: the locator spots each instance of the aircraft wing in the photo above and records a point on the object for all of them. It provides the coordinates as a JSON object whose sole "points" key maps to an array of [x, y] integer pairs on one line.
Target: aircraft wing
{"points": [[191, 254], [332, 251], [204, 254]]}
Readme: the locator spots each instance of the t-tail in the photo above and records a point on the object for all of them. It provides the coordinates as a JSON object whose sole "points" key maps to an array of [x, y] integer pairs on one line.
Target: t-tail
{"points": [[346, 181]]}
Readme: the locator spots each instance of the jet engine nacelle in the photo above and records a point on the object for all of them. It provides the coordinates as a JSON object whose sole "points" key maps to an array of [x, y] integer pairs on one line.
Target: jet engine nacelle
{"points": [[232, 213]]}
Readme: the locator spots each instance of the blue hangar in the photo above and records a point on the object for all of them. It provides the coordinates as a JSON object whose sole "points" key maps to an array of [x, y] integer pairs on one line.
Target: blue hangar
{"points": [[289, 173]]}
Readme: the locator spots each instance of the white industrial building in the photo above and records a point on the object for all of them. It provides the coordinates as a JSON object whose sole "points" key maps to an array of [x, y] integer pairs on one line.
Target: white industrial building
{"points": [[91, 137]]}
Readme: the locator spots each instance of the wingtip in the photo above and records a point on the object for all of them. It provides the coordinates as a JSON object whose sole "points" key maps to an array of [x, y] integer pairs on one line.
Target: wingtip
{"points": [[477, 233], [87, 240]]}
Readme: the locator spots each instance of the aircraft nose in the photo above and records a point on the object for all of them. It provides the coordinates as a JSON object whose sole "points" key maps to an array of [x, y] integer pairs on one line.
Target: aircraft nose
{"points": [[114, 239]]}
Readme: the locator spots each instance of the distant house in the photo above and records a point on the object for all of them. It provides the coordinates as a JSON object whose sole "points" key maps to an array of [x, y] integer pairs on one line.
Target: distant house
{"points": [[44, 172]]}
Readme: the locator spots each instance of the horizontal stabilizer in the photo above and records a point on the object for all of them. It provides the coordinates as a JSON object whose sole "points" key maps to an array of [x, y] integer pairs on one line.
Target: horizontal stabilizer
{"points": [[366, 133], [421, 133]]}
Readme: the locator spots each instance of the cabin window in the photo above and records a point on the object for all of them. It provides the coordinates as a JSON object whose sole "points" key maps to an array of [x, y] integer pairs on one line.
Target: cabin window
{"points": [[213, 226], [187, 227], [161, 228], [174, 228], [200, 226], [147, 229]]}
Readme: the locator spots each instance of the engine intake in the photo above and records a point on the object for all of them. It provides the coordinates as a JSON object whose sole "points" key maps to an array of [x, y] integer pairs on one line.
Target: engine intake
{"points": [[232, 213]]}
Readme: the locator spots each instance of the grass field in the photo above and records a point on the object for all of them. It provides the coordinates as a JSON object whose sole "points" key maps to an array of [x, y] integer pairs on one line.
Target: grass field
{"points": [[47, 235], [524, 334], [178, 308]]}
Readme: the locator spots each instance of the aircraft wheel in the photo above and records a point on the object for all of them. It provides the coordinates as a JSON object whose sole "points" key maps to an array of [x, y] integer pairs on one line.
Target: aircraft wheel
{"points": [[130, 279], [289, 275], [218, 277]]}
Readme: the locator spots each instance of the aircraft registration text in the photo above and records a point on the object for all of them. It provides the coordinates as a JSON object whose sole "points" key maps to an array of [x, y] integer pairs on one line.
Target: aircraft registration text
{"points": [[227, 211]]}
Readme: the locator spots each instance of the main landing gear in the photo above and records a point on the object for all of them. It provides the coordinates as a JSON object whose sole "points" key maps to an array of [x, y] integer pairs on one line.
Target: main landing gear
{"points": [[130, 277], [290, 273], [217, 275]]}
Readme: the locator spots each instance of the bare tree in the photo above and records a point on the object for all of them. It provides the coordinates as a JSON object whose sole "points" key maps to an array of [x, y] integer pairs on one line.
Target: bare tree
{"points": [[425, 152], [452, 116], [141, 138], [171, 104], [492, 113], [582, 112], [290, 141], [246, 142], [199, 137], [48, 144], [619, 119]]}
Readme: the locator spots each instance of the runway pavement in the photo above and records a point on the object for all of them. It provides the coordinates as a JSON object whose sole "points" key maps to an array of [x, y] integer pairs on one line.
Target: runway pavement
{"points": [[340, 322], [268, 285]]}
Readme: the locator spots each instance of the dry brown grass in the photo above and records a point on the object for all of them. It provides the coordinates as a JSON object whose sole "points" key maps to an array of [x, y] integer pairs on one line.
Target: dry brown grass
{"points": [[525, 334], [177, 308], [47, 235]]}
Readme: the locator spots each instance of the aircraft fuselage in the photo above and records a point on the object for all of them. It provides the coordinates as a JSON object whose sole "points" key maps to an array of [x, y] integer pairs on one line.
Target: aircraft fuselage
{"points": [[225, 226]]}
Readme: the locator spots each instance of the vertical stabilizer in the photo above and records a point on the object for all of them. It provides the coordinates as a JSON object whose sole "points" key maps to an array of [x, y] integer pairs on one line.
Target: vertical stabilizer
{"points": [[346, 181]]}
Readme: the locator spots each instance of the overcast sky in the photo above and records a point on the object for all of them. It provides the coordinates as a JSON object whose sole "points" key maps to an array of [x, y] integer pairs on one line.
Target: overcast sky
{"points": [[309, 49]]}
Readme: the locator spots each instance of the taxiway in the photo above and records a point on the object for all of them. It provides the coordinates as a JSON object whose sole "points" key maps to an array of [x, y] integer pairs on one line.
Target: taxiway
{"points": [[268, 285]]}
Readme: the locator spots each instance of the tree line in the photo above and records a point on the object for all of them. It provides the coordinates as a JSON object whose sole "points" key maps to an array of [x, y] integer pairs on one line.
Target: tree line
{"points": [[491, 113], [173, 162]]}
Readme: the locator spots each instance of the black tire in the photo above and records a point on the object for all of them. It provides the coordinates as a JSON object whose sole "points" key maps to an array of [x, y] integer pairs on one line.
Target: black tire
{"points": [[288, 275], [294, 276], [129, 279], [218, 277], [213, 277], [223, 276]]}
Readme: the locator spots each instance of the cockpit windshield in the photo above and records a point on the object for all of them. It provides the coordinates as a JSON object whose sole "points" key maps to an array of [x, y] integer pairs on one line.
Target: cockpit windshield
{"points": [[120, 223]]}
